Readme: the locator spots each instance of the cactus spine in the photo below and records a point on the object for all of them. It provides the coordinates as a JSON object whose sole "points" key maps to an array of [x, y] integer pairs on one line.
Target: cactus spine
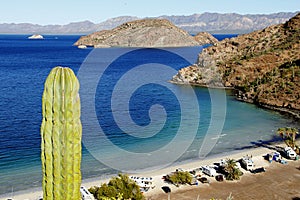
{"points": [[61, 136]]}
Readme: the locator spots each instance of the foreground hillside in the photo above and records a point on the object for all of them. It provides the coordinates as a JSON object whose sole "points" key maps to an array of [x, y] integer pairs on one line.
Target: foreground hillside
{"points": [[263, 66], [145, 33]]}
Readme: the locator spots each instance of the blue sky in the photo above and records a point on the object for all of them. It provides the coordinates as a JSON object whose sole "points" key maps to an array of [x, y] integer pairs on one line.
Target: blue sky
{"points": [[65, 11]]}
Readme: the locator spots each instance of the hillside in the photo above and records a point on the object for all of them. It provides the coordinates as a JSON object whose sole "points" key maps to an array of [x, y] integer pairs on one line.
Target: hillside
{"points": [[205, 38], [205, 22], [141, 33], [263, 66]]}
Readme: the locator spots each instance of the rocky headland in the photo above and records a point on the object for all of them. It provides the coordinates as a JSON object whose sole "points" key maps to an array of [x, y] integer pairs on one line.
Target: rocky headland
{"points": [[145, 33], [205, 38], [263, 67]]}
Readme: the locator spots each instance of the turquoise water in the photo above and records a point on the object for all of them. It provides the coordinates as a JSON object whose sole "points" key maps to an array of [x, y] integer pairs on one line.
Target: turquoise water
{"points": [[171, 121]]}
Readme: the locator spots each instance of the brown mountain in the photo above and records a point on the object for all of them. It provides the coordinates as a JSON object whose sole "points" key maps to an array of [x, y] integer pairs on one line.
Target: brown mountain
{"points": [[208, 22], [263, 66], [144, 33]]}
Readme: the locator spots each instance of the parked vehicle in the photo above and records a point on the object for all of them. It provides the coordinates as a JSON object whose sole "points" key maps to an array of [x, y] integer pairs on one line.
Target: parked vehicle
{"points": [[145, 183], [290, 153], [222, 163], [85, 194], [210, 171], [247, 163]]}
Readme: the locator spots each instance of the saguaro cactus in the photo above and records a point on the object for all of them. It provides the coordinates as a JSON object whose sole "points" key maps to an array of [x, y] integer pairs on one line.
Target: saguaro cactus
{"points": [[61, 136]]}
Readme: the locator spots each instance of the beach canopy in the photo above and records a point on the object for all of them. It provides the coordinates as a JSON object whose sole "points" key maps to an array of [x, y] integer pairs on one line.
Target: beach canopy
{"points": [[166, 189]]}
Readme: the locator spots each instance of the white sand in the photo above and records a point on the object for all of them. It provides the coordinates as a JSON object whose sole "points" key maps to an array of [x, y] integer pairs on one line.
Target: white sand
{"points": [[257, 154]]}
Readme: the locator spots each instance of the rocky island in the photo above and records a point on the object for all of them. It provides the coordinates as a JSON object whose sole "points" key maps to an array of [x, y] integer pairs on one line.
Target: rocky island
{"points": [[144, 33], [36, 37], [263, 67]]}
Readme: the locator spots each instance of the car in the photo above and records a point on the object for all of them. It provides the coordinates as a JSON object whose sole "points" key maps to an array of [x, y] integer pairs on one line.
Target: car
{"points": [[290, 153], [210, 171]]}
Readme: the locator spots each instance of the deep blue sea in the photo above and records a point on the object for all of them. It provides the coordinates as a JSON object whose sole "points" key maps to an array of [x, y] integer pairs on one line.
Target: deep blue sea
{"points": [[132, 117]]}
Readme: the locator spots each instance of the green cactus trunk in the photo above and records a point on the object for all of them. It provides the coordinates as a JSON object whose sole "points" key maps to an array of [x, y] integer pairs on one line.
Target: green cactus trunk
{"points": [[61, 136]]}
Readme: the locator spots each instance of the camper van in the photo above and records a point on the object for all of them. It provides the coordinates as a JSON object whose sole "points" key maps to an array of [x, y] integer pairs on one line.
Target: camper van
{"points": [[85, 194], [145, 183], [290, 153], [247, 163], [210, 171]]}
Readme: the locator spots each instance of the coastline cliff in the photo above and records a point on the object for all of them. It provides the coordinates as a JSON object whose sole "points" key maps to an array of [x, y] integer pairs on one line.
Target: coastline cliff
{"points": [[144, 33], [205, 38], [263, 67]]}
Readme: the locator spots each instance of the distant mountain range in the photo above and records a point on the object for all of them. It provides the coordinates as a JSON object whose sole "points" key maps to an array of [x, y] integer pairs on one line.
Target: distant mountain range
{"points": [[208, 22]]}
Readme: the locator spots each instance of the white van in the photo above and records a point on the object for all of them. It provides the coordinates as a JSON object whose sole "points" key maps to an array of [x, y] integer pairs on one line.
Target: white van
{"points": [[290, 153], [209, 171], [247, 163]]}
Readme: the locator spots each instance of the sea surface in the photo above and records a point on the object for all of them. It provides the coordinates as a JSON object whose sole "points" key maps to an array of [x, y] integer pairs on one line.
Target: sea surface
{"points": [[144, 122]]}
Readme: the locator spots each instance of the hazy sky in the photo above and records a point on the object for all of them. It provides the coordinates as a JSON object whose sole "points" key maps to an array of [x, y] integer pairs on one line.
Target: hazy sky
{"points": [[65, 11]]}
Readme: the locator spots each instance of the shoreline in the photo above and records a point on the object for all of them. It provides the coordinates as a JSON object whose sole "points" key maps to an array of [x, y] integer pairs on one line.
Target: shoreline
{"points": [[256, 152], [295, 114], [283, 111]]}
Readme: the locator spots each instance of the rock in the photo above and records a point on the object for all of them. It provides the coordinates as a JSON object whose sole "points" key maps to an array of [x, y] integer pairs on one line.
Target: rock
{"points": [[36, 37], [140, 33], [205, 38], [227, 84], [82, 47]]}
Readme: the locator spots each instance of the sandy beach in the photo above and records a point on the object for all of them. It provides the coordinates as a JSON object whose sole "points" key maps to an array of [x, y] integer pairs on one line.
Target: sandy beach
{"points": [[278, 182]]}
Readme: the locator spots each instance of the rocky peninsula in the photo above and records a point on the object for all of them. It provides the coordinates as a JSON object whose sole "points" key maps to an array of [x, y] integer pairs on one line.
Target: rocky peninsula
{"points": [[205, 38], [263, 67], [145, 33]]}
